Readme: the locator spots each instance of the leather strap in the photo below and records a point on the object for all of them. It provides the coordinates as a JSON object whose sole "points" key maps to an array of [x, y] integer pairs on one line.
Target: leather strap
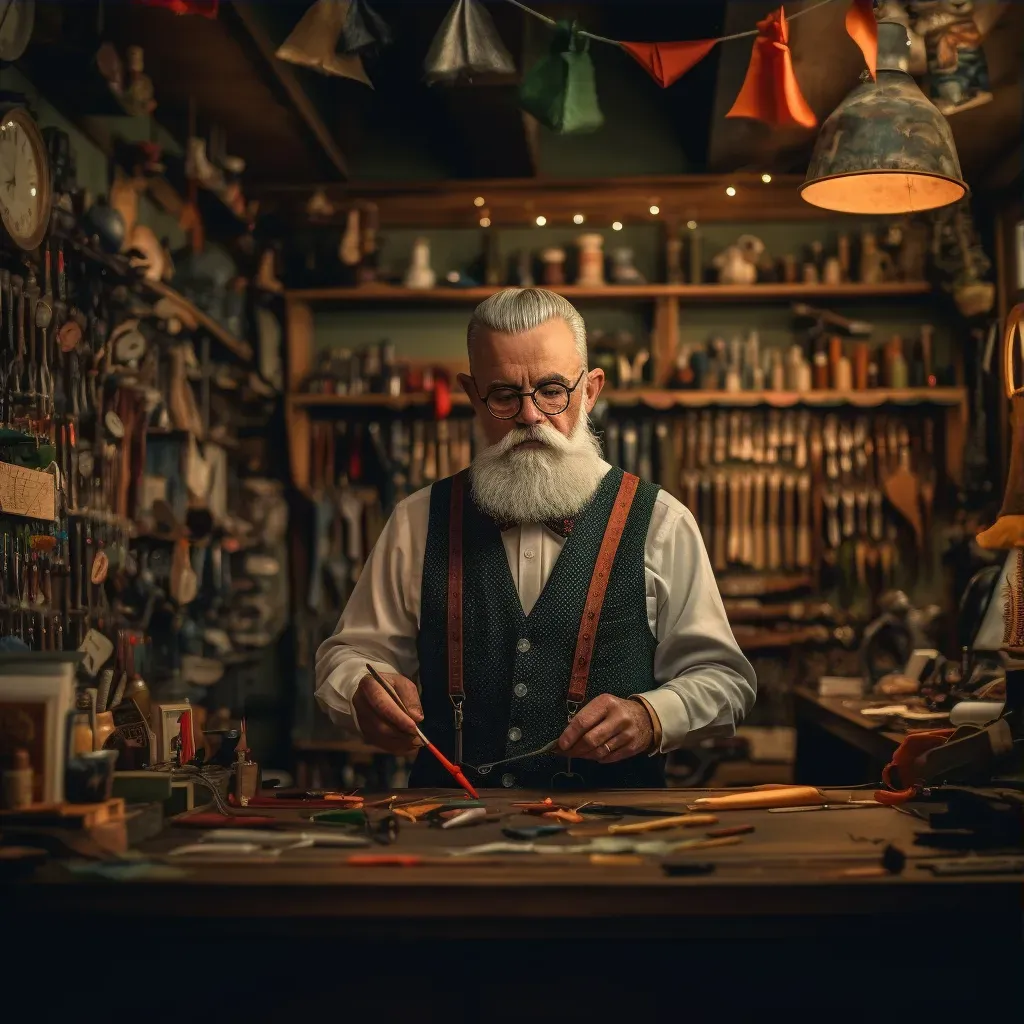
{"points": [[456, 690], [598, 587]]}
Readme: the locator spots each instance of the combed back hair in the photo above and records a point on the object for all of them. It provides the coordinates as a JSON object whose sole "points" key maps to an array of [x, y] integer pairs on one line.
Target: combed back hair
{"points": [[516, 310]]}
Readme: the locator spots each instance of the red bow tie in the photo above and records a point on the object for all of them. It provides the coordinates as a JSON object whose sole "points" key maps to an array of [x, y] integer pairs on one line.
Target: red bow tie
{"points": [[563, 527]]}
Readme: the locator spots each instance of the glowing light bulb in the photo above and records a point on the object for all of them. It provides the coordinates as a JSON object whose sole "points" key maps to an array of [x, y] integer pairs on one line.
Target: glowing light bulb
{"points": [[541, 221], [31, 191], [617, 225], [692, 225], [578, 218], [485, 222], [655, 210], [730, 191], [766, 178], [479, 201]]}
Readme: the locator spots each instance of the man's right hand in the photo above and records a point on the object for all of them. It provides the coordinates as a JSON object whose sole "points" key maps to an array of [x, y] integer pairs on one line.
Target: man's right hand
{"points": [[381, 721]]}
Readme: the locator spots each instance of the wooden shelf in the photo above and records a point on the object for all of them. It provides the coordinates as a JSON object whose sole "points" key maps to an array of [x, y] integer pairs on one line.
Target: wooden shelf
{"points": [[242, 349], [663, 399], [629, 293]]}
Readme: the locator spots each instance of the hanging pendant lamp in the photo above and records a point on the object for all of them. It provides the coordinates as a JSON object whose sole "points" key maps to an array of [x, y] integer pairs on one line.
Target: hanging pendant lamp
{"points": [[885, 149]]}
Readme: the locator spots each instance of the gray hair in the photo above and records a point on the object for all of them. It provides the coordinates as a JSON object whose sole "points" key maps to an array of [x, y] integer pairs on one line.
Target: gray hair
{"points": [[516, 310]]}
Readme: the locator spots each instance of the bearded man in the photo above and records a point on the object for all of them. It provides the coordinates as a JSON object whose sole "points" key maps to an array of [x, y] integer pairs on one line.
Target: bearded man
{"points": [[541, 596]]}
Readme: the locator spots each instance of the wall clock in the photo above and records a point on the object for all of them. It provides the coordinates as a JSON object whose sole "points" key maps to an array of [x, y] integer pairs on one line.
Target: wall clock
{"points": [[24, 178]]}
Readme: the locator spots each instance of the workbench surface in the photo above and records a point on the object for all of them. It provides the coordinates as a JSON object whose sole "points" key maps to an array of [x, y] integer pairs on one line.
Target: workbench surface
{"points": [[568, 938], [318, 883]]}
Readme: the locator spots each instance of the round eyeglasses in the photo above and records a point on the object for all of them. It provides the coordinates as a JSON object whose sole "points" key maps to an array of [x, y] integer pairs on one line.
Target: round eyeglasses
{"points": [[551, 398]]}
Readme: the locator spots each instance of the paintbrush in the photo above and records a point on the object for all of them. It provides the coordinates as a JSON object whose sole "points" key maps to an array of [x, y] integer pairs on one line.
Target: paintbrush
{"points": [[452, 769]]}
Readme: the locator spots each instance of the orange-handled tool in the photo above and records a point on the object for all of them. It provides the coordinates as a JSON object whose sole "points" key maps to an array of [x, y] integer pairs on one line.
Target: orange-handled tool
{"points": [[453, 769]]}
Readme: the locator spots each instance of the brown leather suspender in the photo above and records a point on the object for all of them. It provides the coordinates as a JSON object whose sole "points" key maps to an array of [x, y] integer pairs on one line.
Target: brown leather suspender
{"points": [[595, 595], [591, 612], [456, 690]]}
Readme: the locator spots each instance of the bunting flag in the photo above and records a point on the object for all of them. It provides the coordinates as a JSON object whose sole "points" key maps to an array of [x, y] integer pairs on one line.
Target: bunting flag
{"points": [[204, 8], [668, 62], [770, 91], [862, 28]]}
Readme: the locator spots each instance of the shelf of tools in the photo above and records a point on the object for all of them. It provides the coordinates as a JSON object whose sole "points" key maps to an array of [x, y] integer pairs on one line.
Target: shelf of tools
{"points": [[140, 522], [818, 461]]}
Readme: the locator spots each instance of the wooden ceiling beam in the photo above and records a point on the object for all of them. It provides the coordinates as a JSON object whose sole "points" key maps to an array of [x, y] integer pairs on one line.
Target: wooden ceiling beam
{"points": [[289, 81], [509, 202]]}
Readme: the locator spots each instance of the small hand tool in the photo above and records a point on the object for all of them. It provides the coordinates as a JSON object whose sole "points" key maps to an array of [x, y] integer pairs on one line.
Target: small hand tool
{"points": [[453, 770], [483, 769], [848, 806]]}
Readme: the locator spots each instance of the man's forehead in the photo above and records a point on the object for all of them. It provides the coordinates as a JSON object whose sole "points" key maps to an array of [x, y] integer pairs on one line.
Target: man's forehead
{"points": [[551, 342]]}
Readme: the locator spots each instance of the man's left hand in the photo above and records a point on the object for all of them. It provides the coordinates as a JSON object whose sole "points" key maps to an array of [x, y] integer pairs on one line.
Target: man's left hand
{"points": [[608, 729]]}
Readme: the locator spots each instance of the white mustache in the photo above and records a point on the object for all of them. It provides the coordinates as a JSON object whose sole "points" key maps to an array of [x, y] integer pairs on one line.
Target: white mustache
{"points": [[541, 433]]}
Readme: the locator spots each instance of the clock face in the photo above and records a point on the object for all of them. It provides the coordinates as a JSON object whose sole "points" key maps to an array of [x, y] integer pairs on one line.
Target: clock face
{"points": [[24, 179]]}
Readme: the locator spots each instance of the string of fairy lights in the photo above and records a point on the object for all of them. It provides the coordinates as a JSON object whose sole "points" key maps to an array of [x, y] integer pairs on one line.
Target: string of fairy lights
{"points": [[541, 220]]}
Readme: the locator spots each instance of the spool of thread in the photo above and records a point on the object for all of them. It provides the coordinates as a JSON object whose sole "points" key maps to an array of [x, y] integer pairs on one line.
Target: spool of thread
{"points": [[778, 382], [81, 734], [16, 787], [835, 353], [898, 370], [842, 379], [861, 359], [820, 371], [794, 361]]}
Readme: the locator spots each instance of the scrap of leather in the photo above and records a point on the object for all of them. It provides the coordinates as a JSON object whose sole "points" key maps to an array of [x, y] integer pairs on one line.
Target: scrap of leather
{"points": [[777, 796]]}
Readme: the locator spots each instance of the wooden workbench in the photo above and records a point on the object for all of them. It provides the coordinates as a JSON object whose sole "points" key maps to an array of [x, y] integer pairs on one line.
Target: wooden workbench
{"points": [[527, 923], [835, 742]]}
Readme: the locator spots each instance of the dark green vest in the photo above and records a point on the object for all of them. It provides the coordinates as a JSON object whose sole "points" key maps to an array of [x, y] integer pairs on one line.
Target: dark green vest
{"points": [[516, 666]]}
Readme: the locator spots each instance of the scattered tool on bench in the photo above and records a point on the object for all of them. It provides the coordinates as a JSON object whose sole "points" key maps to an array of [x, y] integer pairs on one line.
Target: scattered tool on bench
{"points": [[453, 770]]}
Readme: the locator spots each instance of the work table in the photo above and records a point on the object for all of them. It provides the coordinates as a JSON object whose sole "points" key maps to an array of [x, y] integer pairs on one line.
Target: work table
{"points": [[313, 896]]}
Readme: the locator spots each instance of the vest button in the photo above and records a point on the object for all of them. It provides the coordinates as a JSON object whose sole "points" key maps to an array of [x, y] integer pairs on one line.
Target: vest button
{"points": [[508, 780], [520, 689], [515, 734], [523, 646], [528, 553]]}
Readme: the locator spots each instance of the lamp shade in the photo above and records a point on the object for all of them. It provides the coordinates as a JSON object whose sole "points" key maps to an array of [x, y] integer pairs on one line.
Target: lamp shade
{"points": [[886, 148]]}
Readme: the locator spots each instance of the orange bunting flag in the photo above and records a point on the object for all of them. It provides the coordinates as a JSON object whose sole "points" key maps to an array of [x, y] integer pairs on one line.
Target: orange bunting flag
{"points": [[668, 62], [770, 91], [863, 30]]}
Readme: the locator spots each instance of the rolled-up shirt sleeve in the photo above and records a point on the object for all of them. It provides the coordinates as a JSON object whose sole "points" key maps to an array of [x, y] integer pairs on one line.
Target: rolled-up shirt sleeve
{"points": [[380, 622], [706, 685]]}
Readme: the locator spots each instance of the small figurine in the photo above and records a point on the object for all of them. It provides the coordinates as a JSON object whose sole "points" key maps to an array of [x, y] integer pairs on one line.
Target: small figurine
{"points": [[554, 267], [623, 270], [738, 263], [420, 274], [958, 254], [524, 269], [875, 265], [139, 96], [957, 69], [591, 272]]}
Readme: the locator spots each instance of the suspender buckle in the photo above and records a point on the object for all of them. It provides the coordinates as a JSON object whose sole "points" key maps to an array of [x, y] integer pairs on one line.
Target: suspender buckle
{"points": [[572, 706], [457, 705]]}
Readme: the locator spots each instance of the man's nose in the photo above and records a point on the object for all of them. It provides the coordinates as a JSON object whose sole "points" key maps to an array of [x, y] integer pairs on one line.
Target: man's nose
{"points": [[529, 414]]}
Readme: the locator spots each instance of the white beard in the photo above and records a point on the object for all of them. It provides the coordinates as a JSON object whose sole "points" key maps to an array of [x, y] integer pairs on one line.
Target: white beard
{"points": [[533, 485]]}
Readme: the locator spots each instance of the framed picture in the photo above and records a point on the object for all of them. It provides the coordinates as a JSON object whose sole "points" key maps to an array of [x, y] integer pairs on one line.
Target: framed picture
{"points": [[167, 726], [37, 696]]}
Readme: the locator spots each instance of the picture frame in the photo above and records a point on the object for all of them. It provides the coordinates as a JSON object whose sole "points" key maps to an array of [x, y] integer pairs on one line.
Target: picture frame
{"points": [[166, 726], [37, 697]]}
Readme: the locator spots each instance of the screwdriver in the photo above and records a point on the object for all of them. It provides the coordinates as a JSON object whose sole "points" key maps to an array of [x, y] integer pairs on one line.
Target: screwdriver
{"points": [[453, 770]]}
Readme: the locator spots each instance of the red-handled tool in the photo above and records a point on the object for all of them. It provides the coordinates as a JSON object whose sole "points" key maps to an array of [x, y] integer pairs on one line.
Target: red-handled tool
{"points": [[452, 769]]}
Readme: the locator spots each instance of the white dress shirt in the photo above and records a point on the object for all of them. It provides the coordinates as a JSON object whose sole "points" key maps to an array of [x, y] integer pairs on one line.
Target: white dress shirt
{"points": [[704, 684]]}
